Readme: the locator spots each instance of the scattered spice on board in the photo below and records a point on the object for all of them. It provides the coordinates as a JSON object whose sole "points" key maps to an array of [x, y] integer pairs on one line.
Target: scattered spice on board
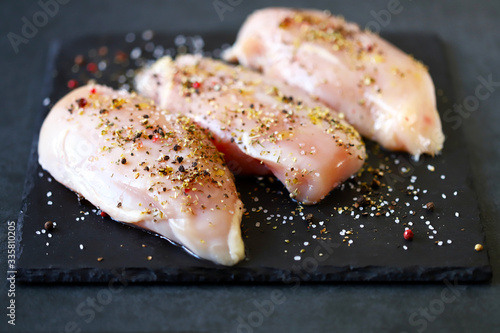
{"points": [[49, 225]]}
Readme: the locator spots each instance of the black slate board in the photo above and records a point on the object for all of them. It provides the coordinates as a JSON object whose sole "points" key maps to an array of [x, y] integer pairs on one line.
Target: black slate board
{"points": [[274, 244]]}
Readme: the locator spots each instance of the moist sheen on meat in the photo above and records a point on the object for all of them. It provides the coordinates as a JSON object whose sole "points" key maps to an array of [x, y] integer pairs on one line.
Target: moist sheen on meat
{"points": [[384, 93], [145, 167], [260, 125]]}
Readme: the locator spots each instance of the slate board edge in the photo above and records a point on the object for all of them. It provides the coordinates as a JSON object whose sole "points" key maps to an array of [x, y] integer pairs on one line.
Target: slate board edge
{"points": [[47, 88], [269, 275], [446, 51]]}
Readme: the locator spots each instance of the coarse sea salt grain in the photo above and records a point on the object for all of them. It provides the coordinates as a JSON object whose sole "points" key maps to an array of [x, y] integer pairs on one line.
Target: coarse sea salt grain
{"points": [[158, 51], [135, 53], [130, 37], [296, 258], [147, 35], [102, 65], [81, 246], [443, 195], [405, 247]]}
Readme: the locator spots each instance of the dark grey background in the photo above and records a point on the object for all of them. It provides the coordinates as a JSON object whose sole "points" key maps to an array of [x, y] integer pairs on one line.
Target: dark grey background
{"points": [[470, 31]]}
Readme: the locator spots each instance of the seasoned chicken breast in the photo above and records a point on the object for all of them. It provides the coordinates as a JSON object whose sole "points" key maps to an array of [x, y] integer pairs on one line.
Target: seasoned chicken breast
{"points": [[144, 167], [387, 95], [260, 125]]}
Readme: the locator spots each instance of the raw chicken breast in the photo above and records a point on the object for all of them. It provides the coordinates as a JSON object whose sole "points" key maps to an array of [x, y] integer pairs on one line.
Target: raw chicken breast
{"points": [[145, 167], [259, 124], [384, 93]]}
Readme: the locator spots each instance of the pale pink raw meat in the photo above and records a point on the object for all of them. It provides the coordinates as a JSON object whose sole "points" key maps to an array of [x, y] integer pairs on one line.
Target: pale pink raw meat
{"points": [[384, 93], [258, 123], [144, 167]]}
